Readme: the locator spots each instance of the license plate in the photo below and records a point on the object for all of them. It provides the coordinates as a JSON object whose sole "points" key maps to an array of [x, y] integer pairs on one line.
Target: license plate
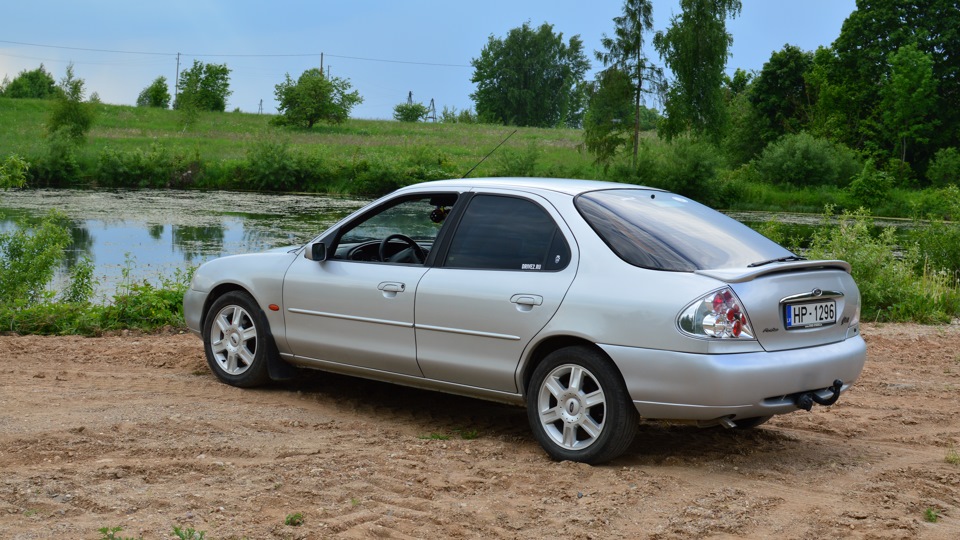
{"points": [[811, 314]]}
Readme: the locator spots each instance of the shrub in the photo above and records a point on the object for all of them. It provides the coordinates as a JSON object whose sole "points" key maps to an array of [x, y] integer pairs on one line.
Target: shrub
{"points": [[13, 172], [29, 256], [452, 116], [270, 165], [684, 166], [70, 115], [804, 160], [156, 167], [410, 112], [513, 162], [870, 187], [891, 288], [58, 166], [155, 95], [944, 168]]}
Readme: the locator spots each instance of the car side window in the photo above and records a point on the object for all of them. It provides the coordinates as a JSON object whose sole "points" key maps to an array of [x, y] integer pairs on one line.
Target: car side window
{"points": [[402, 233], [507, 233]]}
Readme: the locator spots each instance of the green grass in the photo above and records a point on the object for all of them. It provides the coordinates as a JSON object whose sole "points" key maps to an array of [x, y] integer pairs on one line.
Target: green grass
{"points": [[225, 137]]}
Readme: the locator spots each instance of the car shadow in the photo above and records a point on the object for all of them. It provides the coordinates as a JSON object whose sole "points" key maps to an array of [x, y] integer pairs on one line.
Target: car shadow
{"points": [[657, 443]]}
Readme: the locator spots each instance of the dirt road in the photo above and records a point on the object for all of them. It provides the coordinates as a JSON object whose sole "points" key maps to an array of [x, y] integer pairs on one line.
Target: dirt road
{"points": [[133, 431]]}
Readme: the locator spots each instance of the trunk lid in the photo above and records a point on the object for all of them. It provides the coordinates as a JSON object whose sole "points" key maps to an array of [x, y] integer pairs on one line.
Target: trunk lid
{"points": [[795, 304]]}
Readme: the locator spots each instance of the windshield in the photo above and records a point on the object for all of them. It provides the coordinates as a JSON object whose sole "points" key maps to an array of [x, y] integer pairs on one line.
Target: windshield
{"points": [[664, 231]]}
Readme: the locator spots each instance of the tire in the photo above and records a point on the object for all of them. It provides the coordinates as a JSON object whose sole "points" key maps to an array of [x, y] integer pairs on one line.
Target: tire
{"points": [[750, 423], [578, 407], [237, 341]]}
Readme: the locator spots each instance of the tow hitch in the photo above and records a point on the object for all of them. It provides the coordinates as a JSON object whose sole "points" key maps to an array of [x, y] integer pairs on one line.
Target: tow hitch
{"points": [[806, 400]]}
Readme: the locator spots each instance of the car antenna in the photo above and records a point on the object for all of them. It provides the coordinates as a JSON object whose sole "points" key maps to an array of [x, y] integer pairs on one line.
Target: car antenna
{"points": [[488, 155]]}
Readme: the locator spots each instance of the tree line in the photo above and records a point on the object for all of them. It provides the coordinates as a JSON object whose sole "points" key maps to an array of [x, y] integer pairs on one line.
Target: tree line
{"points": [[888, 89]]}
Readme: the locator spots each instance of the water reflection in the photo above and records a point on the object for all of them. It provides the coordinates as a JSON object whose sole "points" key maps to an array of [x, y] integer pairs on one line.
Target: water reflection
{"points": [[154, 233]]}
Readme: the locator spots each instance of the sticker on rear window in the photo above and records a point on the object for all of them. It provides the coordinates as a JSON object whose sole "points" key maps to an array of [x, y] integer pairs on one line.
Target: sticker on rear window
{"points": [[529, 266]]}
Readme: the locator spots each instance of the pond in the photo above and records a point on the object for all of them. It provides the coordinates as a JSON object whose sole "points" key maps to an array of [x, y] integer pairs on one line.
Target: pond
{"points": [[154, 233]]}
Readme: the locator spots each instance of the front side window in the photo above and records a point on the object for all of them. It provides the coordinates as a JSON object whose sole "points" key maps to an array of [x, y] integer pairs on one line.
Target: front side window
{"points": [[507, 233], [400, 233]]}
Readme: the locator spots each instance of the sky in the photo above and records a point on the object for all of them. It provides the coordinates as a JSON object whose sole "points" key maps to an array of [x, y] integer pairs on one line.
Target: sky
{"points": [[385, 48]]}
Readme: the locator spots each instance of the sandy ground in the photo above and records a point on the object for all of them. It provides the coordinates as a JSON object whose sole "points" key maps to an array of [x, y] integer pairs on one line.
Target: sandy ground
{"points": [[133, 431]]}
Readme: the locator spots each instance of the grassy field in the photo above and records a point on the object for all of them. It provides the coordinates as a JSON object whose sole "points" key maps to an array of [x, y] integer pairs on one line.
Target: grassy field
{"points": [[229, 137]]}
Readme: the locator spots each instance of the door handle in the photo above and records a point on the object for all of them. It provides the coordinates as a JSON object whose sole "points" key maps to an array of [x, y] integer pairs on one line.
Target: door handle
{"points": [[525, 302], [391, 288]]}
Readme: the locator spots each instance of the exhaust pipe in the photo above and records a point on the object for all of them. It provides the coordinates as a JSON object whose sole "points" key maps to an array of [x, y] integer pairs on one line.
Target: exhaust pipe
{"points": [[806, 400]]}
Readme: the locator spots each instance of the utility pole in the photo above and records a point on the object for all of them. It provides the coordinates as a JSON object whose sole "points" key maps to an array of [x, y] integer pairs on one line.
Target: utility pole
{"points": [[176, 82], [321, 63]]}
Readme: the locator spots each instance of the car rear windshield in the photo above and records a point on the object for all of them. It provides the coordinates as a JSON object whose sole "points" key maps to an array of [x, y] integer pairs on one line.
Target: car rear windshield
{"points": [[663, 231]]}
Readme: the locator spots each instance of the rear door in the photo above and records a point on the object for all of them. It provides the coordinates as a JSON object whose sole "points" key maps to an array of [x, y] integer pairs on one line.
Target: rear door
{"points": [[503, 276]]}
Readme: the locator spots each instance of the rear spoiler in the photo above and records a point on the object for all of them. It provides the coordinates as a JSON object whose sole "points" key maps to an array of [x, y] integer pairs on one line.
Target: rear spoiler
{"points": [[739, 275]]}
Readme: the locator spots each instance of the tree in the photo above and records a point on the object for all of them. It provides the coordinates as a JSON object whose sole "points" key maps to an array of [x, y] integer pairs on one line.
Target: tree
{"points": [[624, 52], [909, 98], [780, 94], [155, 95], [530, 78], [695, 48], [204, 87], [858, 68], [70, 115], [607, 124], [36, 84], [314, 97], [410, 112]]}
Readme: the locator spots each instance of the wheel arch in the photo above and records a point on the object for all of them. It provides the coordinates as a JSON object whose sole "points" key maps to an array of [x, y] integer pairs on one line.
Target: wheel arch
{"points": [[551, 344], [216, 293]]}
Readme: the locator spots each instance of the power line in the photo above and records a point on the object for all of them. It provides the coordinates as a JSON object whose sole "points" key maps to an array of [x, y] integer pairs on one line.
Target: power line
{"points": [[84, 49], [229, 55]]}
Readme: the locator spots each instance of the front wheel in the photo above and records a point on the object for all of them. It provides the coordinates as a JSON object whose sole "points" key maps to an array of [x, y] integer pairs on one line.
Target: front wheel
{"points": [[578, 407], [237, 341]]}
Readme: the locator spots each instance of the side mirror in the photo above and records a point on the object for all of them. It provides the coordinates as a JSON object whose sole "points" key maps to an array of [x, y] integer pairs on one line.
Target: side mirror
{"points": [[316, 251]]}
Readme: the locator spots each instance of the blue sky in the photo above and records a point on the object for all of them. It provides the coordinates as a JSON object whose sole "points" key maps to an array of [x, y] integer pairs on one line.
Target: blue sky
{"points": [[386, 49]]}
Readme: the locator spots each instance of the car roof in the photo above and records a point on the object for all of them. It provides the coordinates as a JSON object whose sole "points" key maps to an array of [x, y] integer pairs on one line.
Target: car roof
{"points": [[568, 186]]}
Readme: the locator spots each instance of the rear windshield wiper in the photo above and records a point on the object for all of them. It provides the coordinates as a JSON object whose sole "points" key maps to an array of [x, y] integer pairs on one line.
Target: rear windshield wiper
{"points": [[781, 259]]}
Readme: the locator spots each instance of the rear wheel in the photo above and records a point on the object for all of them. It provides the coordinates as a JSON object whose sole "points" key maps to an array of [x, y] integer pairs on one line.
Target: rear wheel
{"points": [[578, 407], [237, 341]]}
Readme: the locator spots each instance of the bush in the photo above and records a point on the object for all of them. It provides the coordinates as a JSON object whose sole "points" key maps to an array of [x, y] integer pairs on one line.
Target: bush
{"points": [[451, 116], [513, 162], [891, 287], [59, 166], [156, 167], [684, 166], [410, 112], [155, 95], [70, 115], [938, 239], [944, 168], [13, 172], [29, 256], [804, 160], [869, 188]]}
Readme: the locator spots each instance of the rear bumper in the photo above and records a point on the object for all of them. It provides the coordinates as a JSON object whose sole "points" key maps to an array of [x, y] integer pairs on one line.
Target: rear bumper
{"points": [[687, 386]]}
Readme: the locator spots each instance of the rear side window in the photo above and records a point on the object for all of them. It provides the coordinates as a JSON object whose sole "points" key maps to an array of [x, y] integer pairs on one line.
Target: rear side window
{"points": [[663, 231], [507, 233]]}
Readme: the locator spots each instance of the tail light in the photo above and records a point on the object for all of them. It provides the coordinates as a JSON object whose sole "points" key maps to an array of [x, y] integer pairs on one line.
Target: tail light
{"points": [[716, 315]]}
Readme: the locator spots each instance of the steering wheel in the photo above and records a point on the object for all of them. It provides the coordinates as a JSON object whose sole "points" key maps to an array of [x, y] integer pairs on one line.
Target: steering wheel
{"points": [[417, 250]]}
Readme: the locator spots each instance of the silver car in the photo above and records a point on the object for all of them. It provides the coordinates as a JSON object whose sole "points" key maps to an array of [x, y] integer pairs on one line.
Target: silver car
{"points": [[593, 304]]}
